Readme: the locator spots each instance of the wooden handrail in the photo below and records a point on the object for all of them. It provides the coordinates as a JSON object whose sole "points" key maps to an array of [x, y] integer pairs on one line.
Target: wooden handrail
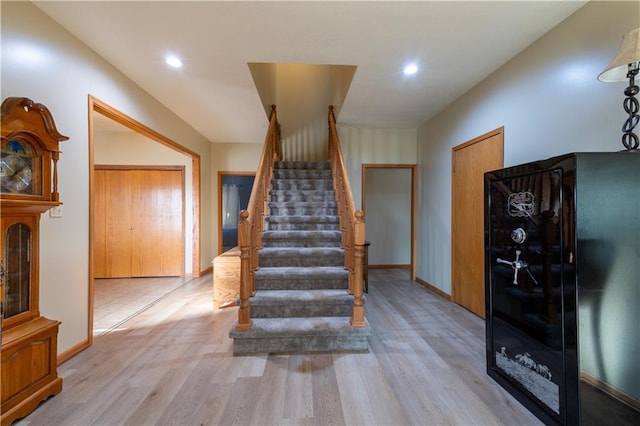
{"points": [[351, 223], [251, 222]]}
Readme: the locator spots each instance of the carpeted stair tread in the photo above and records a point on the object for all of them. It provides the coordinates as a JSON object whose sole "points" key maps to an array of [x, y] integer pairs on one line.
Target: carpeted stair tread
{"points": [[302, 219], [284, 297], [301, 238], [301, 251], [301, 303], [302, 208], [302, 278], [301, 184], [301, 174], [300, 335], [309, 195], [302, 272], [298, 234], [301, 222], [300, 256], [300, 327], [319, 165], [310, 204]]}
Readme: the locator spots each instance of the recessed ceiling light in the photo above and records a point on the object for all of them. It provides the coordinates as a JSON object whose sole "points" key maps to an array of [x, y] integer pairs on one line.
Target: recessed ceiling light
{"points": [[411, 69], [174, 61]]}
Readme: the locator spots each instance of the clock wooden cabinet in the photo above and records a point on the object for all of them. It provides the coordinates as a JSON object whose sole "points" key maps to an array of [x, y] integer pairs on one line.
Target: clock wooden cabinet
{"points": [[28, 187]]}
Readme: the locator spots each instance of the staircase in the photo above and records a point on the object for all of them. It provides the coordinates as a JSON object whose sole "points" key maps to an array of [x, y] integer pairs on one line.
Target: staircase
{"points": [[301, 302]]}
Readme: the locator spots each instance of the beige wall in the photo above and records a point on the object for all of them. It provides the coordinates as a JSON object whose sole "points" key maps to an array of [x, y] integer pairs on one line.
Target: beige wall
{"points": [[380, 146], [548, 100], [61, 72], [304, 119], [374, 146], [231, 157], [388, 215]]}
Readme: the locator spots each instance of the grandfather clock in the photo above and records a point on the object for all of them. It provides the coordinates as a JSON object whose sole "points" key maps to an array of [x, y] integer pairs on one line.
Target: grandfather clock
{"points": [[28, 188]]}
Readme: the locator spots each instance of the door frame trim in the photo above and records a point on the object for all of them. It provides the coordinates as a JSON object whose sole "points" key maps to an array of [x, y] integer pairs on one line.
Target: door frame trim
{"points": [[97, 106], [414, 204]]}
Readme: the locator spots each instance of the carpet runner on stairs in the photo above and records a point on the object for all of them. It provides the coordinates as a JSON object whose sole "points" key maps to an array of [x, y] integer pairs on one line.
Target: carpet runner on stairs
{"points": [[301, 302]]}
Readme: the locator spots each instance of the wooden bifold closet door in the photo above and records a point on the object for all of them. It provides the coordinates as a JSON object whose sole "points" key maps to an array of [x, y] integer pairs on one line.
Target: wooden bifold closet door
{"points": [[139, 222]]}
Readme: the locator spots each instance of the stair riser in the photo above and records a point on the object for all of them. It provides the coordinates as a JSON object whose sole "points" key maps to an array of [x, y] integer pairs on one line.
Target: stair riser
{"points": [[307, 165], [304, 261], [297, 235], [302, 227], [302, 223], [301, 344], [300, 184], [301, 284], [301, 310], [301, 197], [301, 174], [303, 210], [299, 243]]}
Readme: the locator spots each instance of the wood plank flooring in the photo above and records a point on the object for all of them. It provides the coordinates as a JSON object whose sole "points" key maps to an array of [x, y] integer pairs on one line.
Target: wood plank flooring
{"points": [[118, 299], [171, 364]]}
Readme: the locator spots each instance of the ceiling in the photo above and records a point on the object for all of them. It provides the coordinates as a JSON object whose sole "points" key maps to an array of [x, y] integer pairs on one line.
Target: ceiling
{"points": [[455, 44]]}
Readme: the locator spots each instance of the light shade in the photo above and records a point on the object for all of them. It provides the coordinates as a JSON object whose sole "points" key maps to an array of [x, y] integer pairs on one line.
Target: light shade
{"points": [[628, 53]]}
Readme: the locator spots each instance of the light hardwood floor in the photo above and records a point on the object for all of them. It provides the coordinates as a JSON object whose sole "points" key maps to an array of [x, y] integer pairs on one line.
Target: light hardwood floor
{"points": [[172, 363], [116, 300]]}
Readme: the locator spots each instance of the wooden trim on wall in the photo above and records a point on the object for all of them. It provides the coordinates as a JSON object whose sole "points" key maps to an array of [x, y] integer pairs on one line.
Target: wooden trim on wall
{"points": [[414, 205], [221, 174], [96, 105], [73, 351]]}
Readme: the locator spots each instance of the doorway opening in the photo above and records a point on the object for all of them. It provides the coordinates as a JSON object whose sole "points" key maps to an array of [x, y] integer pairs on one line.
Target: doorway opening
{"points": [[234, 191], [389, 196], [101, 114]]}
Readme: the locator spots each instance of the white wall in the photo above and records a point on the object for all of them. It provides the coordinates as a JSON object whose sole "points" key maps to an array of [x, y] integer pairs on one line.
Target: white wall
{"points": [[131, 148], [42, 61], [388, 215], [550, 102]]}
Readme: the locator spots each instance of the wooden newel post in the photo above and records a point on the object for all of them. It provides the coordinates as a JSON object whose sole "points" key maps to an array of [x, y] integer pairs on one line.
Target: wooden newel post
{"points": [[357, 317], [244, 241]]}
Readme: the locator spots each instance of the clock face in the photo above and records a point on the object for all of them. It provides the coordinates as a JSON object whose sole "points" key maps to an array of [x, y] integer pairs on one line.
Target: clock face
{"points": [[16, 168]]}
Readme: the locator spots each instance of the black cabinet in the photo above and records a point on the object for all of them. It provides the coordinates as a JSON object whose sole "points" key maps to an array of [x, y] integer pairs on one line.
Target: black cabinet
{"points": [[563, 286]]}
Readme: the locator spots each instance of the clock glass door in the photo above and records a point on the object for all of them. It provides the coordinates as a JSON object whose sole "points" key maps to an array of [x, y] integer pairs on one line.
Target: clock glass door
{"points": [[17, 250]]}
